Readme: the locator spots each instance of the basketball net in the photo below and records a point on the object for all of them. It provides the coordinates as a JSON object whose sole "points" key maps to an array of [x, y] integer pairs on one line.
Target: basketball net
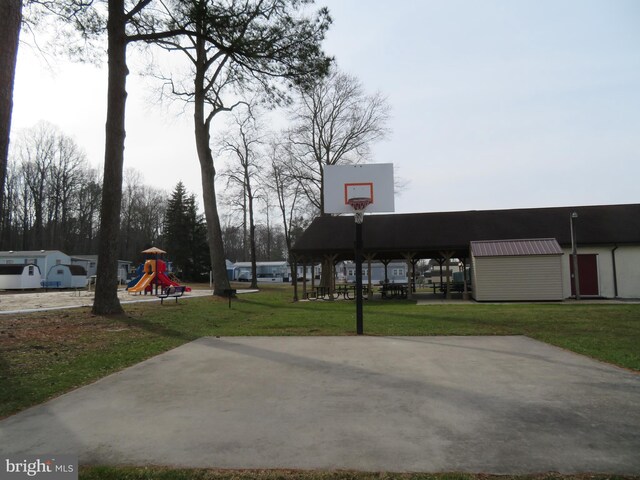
{"points": [[359, 205]]}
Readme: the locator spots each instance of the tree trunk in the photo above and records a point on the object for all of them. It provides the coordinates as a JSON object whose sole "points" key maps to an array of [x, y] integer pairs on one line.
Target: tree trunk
{"points": [[207, 170], [326, 278], [252, 232], [106, 300], [245, 227], [208, 174], [10, 22]]}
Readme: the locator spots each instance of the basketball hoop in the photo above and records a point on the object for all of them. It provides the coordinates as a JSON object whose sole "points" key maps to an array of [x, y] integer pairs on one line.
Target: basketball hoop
{"points": [[359, 205]]}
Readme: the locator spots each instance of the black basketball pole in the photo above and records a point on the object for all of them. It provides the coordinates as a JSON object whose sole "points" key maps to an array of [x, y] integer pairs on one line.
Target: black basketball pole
{"points": [[358, 255]]}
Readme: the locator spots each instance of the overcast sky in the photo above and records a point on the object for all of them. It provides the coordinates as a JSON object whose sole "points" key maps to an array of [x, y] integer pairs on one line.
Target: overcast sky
{"points": [[495, 104]]}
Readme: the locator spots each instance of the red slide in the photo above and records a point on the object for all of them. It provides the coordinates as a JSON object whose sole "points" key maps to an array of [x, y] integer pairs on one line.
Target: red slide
{"points": [[165, 281]]}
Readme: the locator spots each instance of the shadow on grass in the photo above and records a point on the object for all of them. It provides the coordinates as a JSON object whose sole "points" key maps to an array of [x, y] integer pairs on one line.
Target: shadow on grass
{"points": [[153, 327]]}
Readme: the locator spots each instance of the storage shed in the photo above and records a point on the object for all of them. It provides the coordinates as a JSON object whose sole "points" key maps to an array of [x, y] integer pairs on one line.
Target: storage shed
{"points": [[517, 270], [67, 276], [19, 277]]}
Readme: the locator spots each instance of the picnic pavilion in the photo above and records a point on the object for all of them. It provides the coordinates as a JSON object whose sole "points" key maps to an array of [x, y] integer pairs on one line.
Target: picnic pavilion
{"points": [[609, 233]]}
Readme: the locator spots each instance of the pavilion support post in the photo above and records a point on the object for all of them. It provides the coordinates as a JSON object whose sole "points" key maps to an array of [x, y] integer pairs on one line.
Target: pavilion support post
{"points": [[386, 271], [313, 276], [409, 259], [369, 258], [465, 290], [304, 279], [329, 260], [414, 262], [447, 260], [294, 270]]}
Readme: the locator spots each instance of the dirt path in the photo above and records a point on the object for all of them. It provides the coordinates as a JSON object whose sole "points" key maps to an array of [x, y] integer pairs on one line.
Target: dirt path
{"points": [[13, 302]]}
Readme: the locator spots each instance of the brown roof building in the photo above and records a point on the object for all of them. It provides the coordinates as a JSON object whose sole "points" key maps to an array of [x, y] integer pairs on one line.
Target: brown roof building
{"points": [[611, 231]]}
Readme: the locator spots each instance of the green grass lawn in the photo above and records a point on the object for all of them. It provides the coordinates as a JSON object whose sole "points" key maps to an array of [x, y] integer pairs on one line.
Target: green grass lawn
{"points": [[46, 354], [154, 473]]}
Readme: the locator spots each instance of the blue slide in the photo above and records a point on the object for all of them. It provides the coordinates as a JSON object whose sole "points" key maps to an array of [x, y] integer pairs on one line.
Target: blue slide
{"points": [[136, 279]]}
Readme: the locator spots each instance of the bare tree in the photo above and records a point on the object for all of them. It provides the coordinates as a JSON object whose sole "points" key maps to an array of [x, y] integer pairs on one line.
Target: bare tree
{"points": [[233, 204], [287, 191], [151, 213], [124, 22], [87, 207], [142, 215], [11, 207], [232, 238], [241, 47], [334, 122], [65, 179], [36, 154], [267, 239], [242, 143], [49, 186], [130, 202], [53, 197]]}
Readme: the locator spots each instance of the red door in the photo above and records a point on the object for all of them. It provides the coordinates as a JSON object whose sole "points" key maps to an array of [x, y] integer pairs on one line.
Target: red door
{"points": [[587, 274]]}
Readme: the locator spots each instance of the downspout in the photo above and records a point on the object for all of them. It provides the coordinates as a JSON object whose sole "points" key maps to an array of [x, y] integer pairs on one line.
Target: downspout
{"points": [[615, 273]]}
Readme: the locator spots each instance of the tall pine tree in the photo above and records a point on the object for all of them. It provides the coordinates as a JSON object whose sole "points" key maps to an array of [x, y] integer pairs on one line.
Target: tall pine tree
{"points": [[185, 235]]}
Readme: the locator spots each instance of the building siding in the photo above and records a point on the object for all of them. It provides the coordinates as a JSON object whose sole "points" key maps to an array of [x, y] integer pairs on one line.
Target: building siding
{"points": [[627, 259], [628, 272], [518, 278]]}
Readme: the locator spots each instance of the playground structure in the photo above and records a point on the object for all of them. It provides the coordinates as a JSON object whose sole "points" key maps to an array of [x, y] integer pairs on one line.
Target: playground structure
{"points": [[152, 273]]}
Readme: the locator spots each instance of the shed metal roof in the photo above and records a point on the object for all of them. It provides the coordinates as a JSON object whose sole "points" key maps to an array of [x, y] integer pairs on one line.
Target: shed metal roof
{"points": [[513, 248]]}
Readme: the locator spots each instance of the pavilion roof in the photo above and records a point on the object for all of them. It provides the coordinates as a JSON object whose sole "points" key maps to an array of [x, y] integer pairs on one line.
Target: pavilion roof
{"points": [[425, 235]]}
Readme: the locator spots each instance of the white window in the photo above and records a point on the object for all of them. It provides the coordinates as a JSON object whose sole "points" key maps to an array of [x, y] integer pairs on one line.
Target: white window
{"points": [[398, 272], [31, 270], [58, 261], [60, 272], [351, 272]]}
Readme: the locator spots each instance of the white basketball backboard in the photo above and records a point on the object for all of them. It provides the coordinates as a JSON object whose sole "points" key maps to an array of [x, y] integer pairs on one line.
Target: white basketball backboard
{"points": [[373, 181]]}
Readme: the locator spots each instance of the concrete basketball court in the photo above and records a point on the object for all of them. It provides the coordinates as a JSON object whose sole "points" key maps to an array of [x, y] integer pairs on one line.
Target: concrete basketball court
{"points": [[474, 404]]}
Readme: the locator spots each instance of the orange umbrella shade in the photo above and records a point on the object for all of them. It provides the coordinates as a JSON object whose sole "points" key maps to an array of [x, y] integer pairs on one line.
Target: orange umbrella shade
{"points": [[155, 250]]}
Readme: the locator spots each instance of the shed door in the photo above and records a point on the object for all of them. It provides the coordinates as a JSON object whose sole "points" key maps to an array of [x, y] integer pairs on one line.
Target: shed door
{"points": [[588, 274]]}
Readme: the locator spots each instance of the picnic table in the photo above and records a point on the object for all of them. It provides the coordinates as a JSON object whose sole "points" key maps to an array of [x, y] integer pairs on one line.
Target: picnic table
{"points": [[317, 293], [455, 287], [348, 292], [394, 290]]}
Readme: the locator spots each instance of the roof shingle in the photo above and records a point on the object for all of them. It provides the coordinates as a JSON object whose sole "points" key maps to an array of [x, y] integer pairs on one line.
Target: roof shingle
{"points": [[512, 248], [427, 234]]}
